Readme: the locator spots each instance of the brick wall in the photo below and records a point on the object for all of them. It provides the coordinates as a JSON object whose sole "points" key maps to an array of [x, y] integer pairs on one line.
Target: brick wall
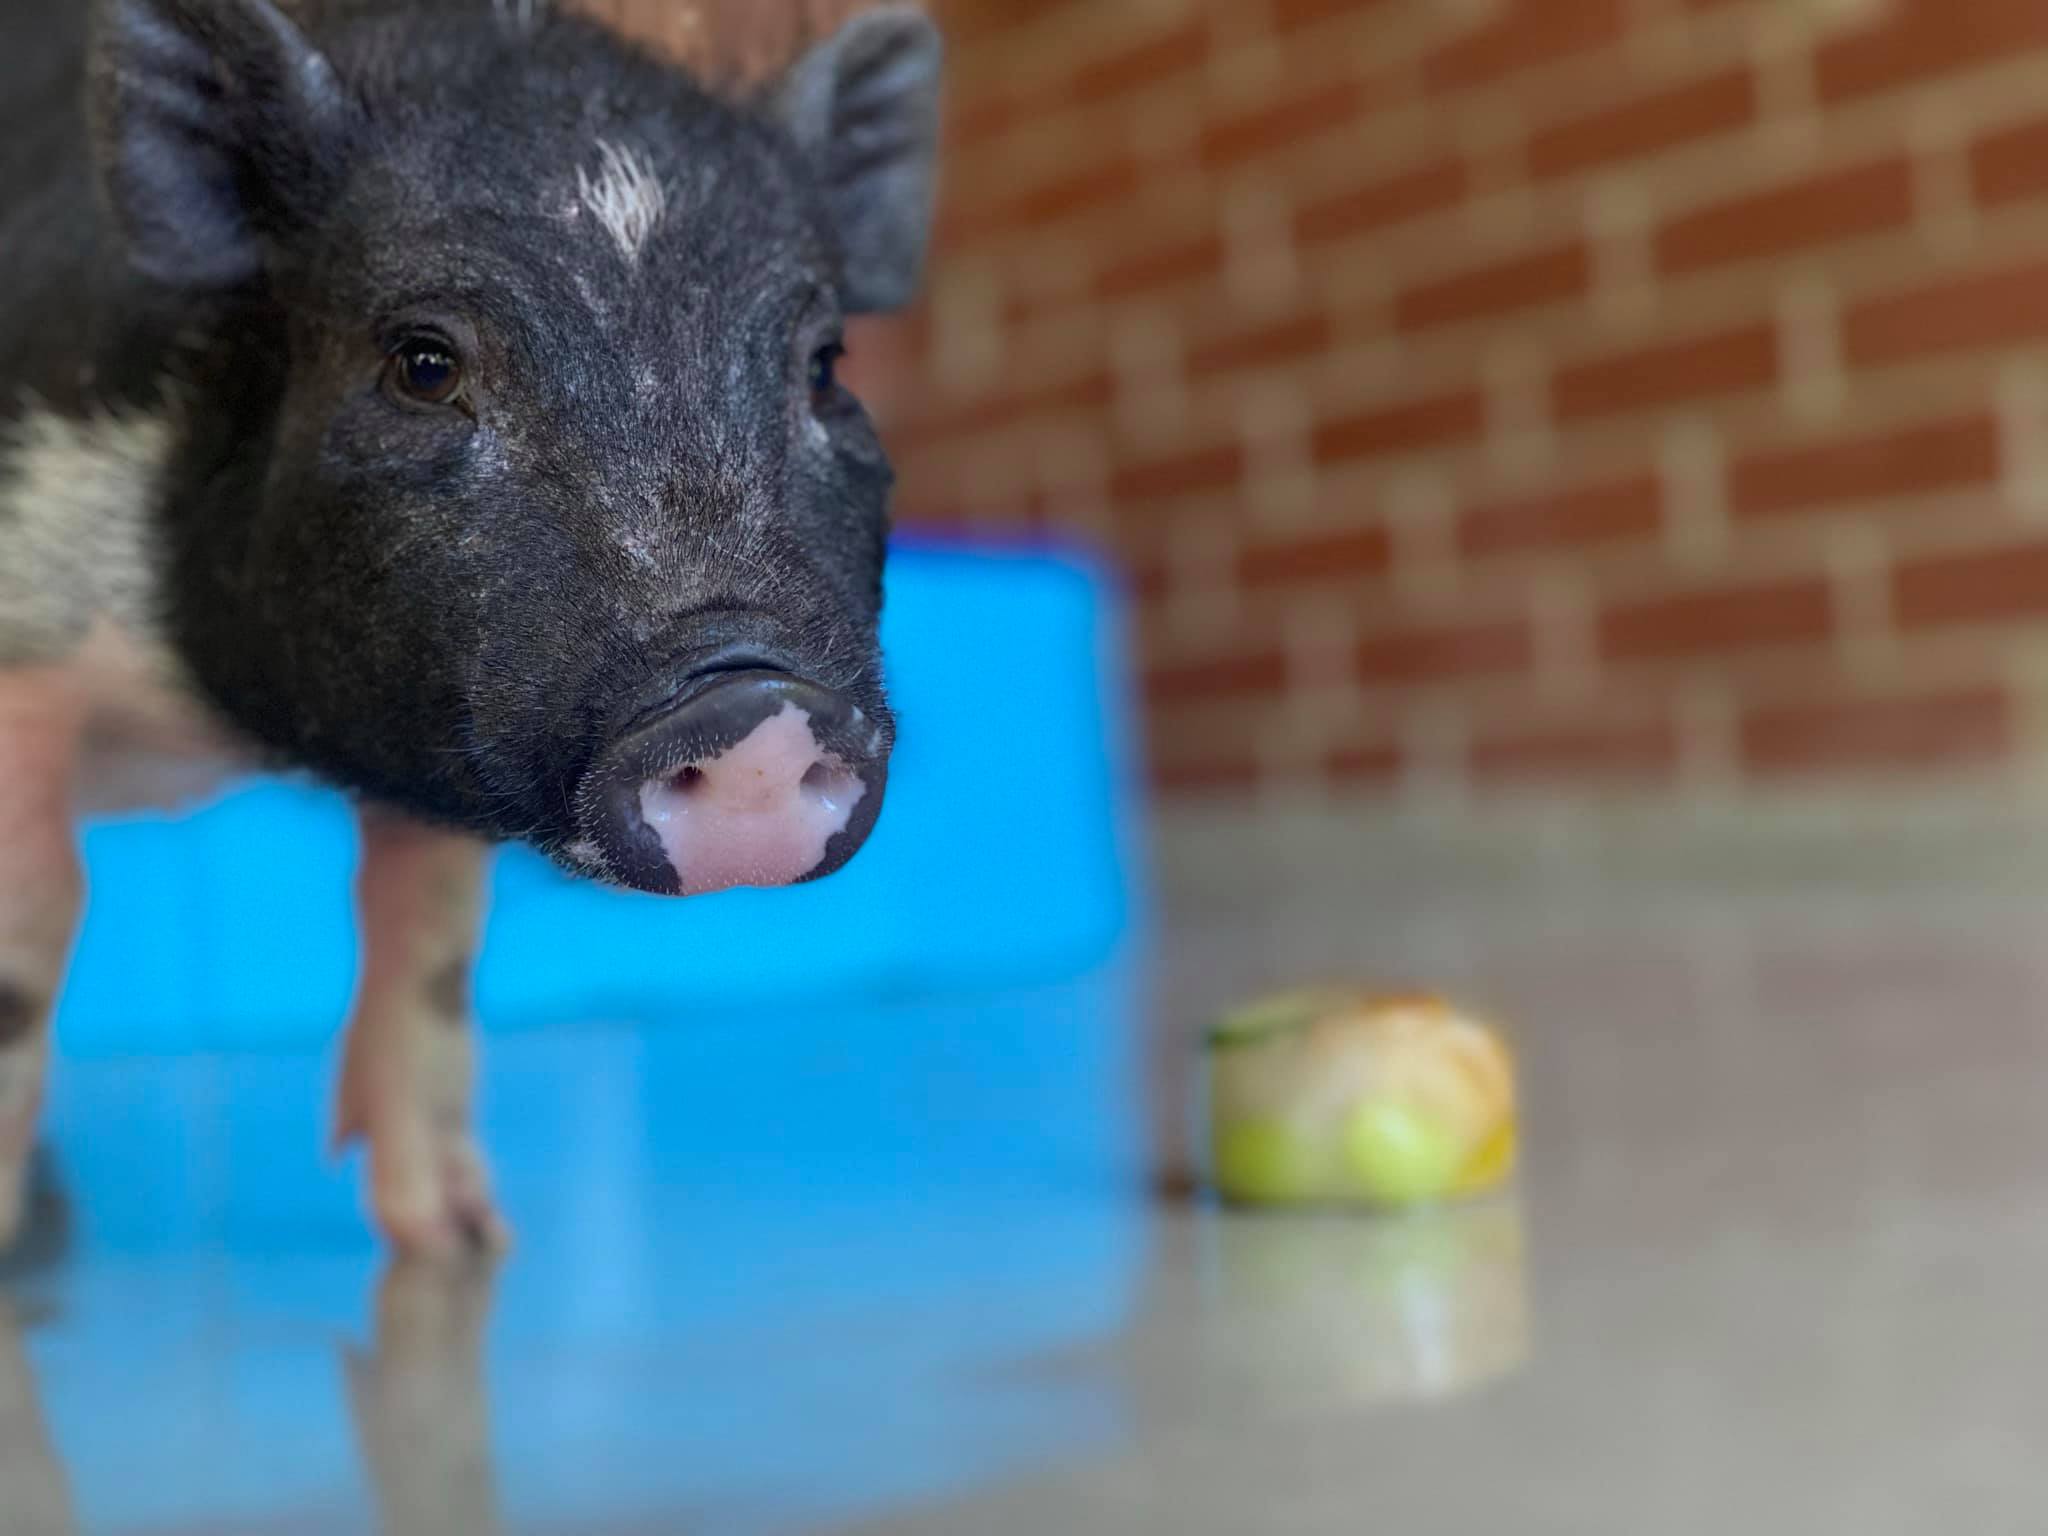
{"points": [[1503, 393], [728, 42]]}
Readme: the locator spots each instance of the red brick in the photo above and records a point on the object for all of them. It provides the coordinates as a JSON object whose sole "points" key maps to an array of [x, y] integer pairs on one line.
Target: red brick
{"points": [[1235, 770], [1914, 40], [1720, 621], [2011, 164], [1076, 193], [1636, 750], [1410, 194], [1146, 575], [1291, 15], [1286, 121], [1668, 373], [1934, 730], [1198, 257], [1244, 674], [1978, 587], [1906, 461], [1185, 474], [1021, 308], [1441, 652], [1283, 341], [976, 21], [1407, 427], [1836, 205], [958, 224], [1564, 519], [1175, 52], [1374, 764], [1526, 33], [1089, 392], [987, 115], [1644, 125], [1546, 277], [883, 358], [1983, 309], [1344, 555]]}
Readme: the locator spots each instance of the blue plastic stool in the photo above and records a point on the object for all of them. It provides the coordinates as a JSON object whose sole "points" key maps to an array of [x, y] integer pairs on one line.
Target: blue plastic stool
{"points": [[1002, 859]]}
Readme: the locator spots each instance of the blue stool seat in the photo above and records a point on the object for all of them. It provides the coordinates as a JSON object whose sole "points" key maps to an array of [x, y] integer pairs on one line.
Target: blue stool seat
{"points": [[1002, 859]]}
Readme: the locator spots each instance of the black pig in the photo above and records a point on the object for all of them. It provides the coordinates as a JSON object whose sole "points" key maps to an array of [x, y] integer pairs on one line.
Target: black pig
{"points": [[439, 398]]}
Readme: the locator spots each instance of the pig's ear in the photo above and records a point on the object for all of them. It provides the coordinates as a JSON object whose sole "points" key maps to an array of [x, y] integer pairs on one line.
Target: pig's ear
{"points": [[218, 128], [864, 105]]}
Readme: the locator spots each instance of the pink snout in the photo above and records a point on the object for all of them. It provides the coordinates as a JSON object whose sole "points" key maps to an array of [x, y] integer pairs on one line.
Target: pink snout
{"points": [[757, 778]]}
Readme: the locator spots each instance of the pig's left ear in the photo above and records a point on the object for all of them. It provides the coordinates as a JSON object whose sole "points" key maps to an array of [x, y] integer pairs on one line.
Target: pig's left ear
{"points": [[864, 106], [218, 128]]}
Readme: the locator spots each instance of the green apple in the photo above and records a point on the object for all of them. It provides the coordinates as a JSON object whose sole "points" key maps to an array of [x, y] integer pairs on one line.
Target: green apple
{"points": [[1397, 1154], [1264, 1161]]}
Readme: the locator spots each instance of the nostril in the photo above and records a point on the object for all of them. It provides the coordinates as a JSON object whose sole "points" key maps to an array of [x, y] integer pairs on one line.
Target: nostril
{"points": [[830, 786], [690, 780]]}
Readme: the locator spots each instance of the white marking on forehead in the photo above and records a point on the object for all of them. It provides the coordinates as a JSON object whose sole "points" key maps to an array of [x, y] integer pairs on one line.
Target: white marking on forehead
{"points": [[522, 14], [625, 196], [645, 547]]}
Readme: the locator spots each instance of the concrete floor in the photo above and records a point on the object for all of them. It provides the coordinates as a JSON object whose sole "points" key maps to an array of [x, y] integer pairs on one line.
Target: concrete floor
{"points": [[1776, 1264]]}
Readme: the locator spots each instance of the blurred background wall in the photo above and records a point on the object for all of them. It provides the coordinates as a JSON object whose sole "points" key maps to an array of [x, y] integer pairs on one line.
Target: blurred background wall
{"points": [[1485, 394]]}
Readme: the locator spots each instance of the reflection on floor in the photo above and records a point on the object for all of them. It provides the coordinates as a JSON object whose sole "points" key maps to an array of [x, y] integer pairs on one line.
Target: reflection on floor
{"points": [[736, 1240], [1776, 1265]]}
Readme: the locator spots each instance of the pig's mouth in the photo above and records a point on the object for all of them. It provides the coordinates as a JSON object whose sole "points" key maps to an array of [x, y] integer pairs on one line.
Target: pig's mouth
{"points": [[746, 776]]}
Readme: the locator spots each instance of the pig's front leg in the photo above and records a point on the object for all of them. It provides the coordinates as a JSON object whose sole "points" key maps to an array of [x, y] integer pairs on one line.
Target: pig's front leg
{"points": [[408, 1079], [41, 892]]}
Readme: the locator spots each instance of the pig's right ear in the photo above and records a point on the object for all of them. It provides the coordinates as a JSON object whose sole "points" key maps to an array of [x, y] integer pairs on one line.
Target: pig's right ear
{"points": [[218, 128], [864, 106]]}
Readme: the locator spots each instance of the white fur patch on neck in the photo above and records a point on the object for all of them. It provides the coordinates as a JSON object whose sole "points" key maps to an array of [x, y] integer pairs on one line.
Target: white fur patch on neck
{"points": [[625, 197], [78, 527], [82, 590]]}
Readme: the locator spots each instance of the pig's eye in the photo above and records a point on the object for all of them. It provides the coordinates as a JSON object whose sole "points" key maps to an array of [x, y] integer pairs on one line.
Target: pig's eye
{"points": [[825, 375], [425, 370]]}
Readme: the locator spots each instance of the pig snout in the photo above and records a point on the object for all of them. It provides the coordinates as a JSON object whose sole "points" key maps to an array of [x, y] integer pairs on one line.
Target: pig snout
{"points": [[746, 775]]}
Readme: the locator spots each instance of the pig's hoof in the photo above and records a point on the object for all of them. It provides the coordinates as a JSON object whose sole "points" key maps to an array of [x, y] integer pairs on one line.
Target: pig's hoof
{"points": [[439, 1209], [430, 1232]]}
